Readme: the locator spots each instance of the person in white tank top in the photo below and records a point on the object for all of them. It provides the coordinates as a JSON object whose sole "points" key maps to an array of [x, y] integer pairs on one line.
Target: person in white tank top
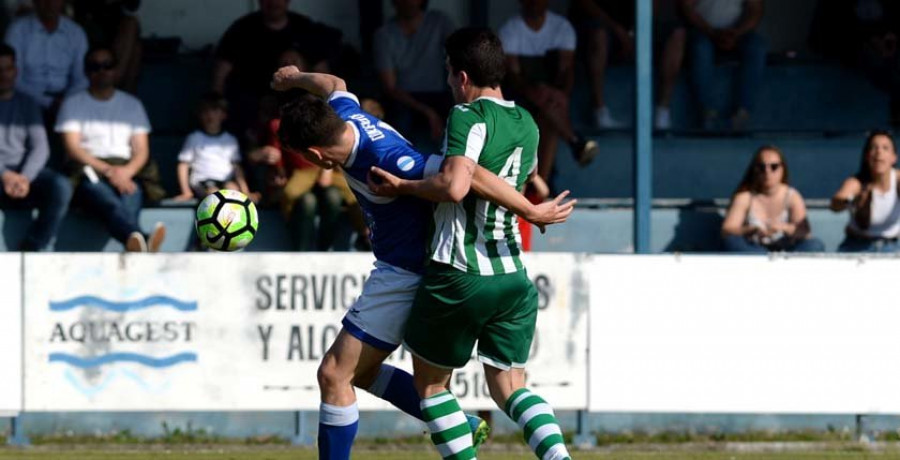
{"points": [[766, 214], [871, 196]]}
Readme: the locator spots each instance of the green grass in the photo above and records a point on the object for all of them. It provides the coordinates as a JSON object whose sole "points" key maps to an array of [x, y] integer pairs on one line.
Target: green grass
{"points": [[285, 453]]}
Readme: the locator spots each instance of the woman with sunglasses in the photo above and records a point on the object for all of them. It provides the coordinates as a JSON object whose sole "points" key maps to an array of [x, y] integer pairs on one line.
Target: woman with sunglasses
{"points": [[871, 196], [767, 214]]}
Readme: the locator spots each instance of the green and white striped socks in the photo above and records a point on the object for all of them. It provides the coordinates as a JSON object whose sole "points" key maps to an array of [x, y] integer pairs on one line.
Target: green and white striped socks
{"points": [[449, 428], [535, 418]]}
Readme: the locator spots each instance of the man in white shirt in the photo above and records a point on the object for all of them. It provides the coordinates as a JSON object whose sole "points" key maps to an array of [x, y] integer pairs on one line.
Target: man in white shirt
{"points": [[106, 131], [50, 49], [540, 53], [725, 26]]}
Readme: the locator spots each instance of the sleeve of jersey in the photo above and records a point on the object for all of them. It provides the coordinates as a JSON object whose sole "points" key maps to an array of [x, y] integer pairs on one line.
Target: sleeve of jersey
{"points": [[410, 164], [466, 133], [344, 103]]}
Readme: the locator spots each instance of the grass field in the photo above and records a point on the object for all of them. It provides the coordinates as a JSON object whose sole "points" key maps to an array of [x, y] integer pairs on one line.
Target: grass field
{"points": [[238, 453]]}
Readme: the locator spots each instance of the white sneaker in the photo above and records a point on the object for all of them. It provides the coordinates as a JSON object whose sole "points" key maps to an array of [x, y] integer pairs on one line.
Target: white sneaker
{"points": [[662, 121], [136, 242], [604, 120]]}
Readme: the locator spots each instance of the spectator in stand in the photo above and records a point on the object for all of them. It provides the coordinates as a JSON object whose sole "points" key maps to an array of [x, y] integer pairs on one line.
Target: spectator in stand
{"points": [[23, 153], [540, 53], [112, 23], [725, 27], [51, 49], [409, 57], [871, 196], [105, 131], [210, 159], [766, 213], [303, 191], [247, 56], [606, 27]]}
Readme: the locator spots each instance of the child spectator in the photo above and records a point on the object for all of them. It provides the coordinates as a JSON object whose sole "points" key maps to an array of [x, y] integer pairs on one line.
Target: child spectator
{"points": [[767, 214], [871, 196], [210, 158]]}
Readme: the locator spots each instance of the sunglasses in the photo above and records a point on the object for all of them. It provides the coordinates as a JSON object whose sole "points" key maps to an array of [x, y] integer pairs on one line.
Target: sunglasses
{"points": [[94, 66], [761, 167]]}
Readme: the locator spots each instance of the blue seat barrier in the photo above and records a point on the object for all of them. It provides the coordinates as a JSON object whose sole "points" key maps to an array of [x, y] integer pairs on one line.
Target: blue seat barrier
{"points": [[707, 168], [80, 233], [685, 229], [792, 97], [672, 230]]}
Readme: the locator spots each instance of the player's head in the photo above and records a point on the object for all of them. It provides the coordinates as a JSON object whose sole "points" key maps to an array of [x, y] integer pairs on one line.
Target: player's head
{"points": [[212, 111], [8, 69], [767, 169], [100, 67], [310, 127], [879, 156], [475, 60]]}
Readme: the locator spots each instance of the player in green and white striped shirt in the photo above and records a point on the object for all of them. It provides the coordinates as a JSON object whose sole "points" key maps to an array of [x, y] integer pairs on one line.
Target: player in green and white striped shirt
{"points": [[475, 287]]}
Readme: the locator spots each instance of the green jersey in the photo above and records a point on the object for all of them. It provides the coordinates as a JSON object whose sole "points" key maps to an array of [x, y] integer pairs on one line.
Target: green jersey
{"points": [[475, 235]]}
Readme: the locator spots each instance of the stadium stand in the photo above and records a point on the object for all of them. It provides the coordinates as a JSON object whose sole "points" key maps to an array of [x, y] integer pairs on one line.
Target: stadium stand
{"points": [[814, 110]]}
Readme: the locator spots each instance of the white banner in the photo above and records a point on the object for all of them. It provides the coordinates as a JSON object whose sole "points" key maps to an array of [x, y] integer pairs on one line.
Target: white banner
{"points": [[11, 333], [238, 331], [744, 335]]}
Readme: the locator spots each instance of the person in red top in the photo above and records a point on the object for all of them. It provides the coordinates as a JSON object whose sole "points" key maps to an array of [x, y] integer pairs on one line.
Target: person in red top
{"points": [[309, 191]]}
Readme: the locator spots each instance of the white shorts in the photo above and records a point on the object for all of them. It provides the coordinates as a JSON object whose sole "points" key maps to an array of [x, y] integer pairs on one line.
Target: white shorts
{"points": [[378, 317]]}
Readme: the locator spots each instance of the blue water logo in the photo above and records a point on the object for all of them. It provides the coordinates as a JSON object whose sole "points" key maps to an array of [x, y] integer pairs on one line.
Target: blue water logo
{"points": [[105, 333]]}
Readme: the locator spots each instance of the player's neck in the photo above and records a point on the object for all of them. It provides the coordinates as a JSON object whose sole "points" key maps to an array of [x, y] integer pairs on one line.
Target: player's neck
{"points": [[478, 92]]}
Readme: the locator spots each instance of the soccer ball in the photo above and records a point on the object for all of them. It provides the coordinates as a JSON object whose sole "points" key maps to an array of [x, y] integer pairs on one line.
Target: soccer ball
{"points": [[226, 221]]}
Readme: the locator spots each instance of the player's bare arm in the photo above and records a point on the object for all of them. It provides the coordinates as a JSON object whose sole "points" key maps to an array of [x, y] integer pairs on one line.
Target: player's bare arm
{"points": [[440, 188], [320, 84]]}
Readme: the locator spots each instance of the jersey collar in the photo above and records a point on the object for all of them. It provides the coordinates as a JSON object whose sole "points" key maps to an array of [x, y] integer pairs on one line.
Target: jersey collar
{"points": [[352, 157], [498, 101]]}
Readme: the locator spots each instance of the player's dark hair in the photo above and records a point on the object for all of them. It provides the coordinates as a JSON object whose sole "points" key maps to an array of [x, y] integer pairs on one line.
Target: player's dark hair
{"points": [[6, 50], [308, 121], [864, 174], [478, 52], [211, 101]]}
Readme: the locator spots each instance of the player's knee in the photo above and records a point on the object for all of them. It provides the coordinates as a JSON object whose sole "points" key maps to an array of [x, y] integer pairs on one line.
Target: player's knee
{"points": [[330, 375]]}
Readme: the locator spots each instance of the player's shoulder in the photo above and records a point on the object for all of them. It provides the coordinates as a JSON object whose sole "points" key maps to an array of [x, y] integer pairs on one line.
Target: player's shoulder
{"points": [[342, 95], [468, 110]]}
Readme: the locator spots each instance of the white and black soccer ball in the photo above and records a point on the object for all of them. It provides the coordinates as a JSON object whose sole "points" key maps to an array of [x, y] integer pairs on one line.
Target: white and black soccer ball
{"points": [[226, 221]]}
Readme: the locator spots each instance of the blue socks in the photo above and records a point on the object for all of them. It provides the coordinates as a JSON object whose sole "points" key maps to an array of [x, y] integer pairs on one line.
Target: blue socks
{"points": [[337, 429], [338, 425], [396, 387]]}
